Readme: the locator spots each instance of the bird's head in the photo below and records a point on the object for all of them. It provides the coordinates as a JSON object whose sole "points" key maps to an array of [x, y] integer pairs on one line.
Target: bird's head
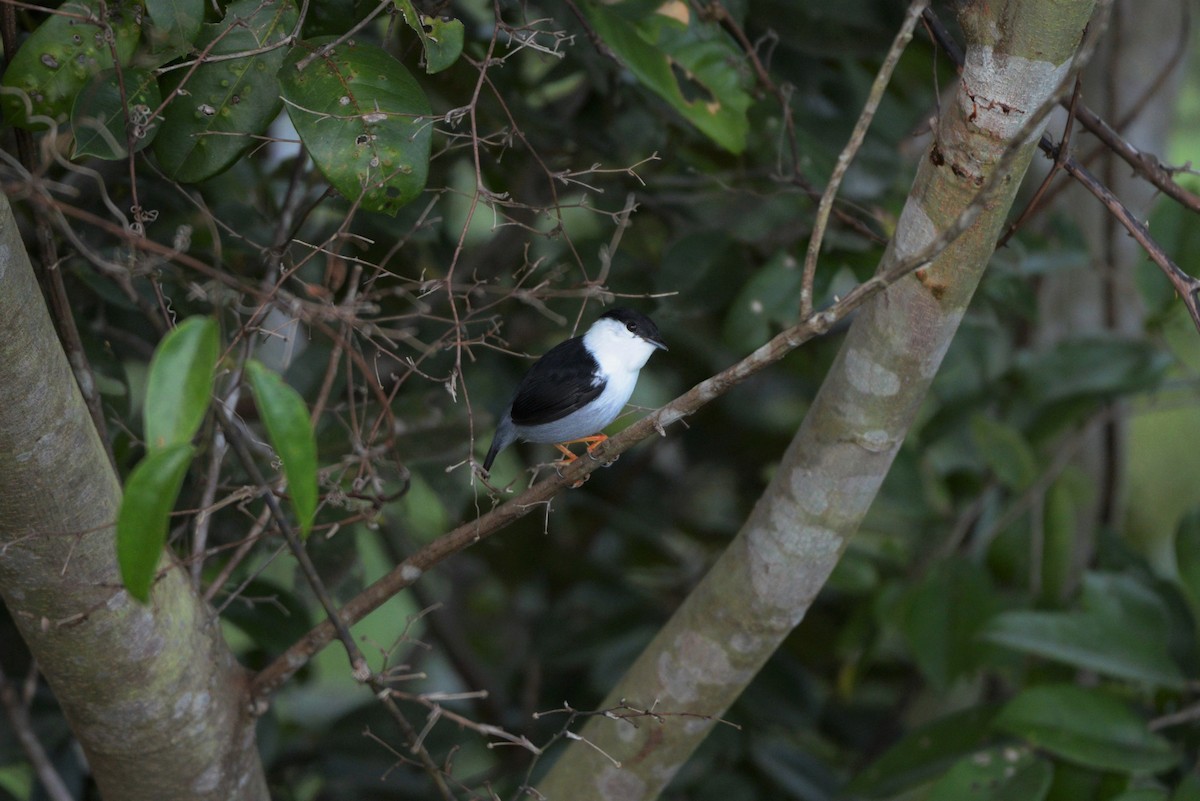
{"points": [[623, 339]]}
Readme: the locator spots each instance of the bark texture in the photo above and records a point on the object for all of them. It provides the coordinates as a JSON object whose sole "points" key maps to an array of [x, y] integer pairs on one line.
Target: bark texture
{"points": [[151, 692], [1018, 53]]}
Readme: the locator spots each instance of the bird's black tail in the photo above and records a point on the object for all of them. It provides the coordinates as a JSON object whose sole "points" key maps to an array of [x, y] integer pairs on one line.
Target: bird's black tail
{"points": [[506, 434]]}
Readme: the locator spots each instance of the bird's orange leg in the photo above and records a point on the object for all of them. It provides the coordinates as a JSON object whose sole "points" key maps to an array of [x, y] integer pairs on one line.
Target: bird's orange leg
{"points": [[593, 442]]}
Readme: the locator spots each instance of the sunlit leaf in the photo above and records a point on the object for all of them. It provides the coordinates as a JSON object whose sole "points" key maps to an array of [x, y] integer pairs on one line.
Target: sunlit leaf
{"points": [[62, 56], [180, 382], [1087, 727], [284, 414], [363, 119], [150, 493]]}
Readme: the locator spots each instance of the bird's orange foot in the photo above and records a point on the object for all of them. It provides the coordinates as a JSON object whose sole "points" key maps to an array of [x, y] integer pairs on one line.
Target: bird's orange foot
{"points": [[592, 442]]}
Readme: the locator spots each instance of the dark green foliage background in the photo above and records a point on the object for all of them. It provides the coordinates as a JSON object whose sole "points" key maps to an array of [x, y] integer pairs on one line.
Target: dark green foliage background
{"points": [[957, 595]]}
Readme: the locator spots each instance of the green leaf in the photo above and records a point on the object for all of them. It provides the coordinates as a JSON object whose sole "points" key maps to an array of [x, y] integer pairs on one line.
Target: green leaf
{"points": [[363, 119], [1060, 527], [770, 297], [228, 104], [441, 37], [60, 58], [690, 63], [1005, 451], [1001, 773], [150, 493], [1087, 727], [98, 116], [1142, 794], [173, 26], [1188, 789], [942, 617], [1187, 559], [924, 753], [179, 386], [1094, 368], [1121, 631], [288, 427]]}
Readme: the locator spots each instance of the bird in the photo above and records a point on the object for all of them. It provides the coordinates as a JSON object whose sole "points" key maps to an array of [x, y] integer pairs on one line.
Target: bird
{"points": [[579, 386]]}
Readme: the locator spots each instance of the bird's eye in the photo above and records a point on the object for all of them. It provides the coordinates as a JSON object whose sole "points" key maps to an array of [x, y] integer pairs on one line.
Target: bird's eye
{"points": [[631, 328]]}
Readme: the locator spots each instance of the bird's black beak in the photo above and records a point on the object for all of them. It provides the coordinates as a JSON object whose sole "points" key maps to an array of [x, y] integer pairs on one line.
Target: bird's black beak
{"points": [[658, 343]]}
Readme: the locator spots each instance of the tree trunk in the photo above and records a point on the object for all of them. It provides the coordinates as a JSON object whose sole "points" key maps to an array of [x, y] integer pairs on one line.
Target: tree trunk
{"points": [[1018, 52], [151, 692]]}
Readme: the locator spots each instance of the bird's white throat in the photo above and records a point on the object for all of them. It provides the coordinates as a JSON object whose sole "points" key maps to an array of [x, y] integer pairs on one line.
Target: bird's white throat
{"points": [[617, 350]]}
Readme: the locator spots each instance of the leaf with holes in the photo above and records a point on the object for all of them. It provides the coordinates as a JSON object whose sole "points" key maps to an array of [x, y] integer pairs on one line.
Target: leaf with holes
{"points": [[284, 414], [98, 116], [226, 105], [999, 773], [441, 37], [363, 119], [180, 383], [689, 62], [150, 493], [61, 57]]}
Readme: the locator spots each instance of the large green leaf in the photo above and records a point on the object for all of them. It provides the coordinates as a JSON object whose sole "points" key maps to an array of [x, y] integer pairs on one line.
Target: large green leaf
{"points": [[1121, 631], [61, 57], [286, 418], [1187, 560], [689, 62], [441, 37], [173, 26], [770, 298], [1000, 773], [1005, 451], [1093, 368], [1087, 727], [924, 753], [941, 617], [98, 116], [150, 493], [180, 383], [363, 119], [228, 104]]}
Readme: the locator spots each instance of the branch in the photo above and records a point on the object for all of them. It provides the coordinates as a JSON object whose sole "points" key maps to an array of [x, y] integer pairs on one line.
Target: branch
{"points": [[403, 575], [18, 718], [882, 79]]}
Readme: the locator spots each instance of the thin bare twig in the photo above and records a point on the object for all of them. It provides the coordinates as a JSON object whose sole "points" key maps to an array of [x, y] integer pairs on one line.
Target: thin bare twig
{"points": [[874, 98], [22, 727]]}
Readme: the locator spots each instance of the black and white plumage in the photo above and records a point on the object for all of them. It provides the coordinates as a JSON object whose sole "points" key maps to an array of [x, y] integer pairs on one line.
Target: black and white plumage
{"points": [[579, 386]]}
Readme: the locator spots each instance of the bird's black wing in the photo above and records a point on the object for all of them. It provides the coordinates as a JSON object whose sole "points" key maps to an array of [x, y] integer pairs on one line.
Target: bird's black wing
{"points": [[560, 382]]}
